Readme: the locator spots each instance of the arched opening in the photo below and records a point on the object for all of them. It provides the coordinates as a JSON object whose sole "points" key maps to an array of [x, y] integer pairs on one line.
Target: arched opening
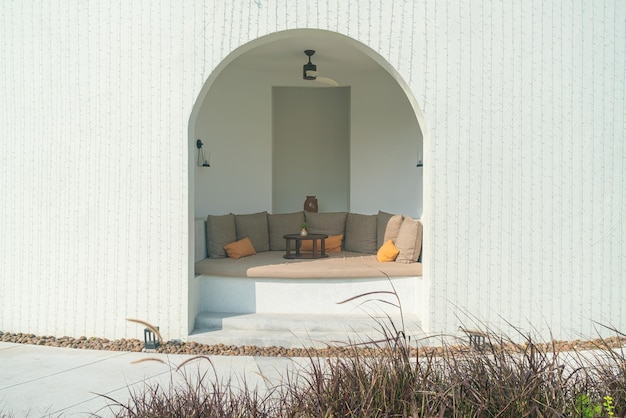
{"points": [[235, 118]]}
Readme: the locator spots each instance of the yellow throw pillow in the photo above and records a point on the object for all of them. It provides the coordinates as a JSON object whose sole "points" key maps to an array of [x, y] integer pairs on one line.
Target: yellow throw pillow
{"points": [[241, 248], [388, 252], [332, 244]]}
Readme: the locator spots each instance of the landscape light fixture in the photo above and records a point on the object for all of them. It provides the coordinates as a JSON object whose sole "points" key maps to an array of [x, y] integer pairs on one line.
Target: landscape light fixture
{"points": [[150, 340]]}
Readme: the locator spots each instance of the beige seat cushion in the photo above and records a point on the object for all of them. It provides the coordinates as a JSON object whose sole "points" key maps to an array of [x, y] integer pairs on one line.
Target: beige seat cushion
{"points": [[271, 264]]}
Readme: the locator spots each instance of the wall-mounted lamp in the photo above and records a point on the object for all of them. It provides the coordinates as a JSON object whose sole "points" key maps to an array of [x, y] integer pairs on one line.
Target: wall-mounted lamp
{"points": [[420, 156], [202, 161]]}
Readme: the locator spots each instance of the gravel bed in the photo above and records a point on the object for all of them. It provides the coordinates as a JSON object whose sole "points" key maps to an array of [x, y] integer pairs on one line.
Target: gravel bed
{"points": [[171, 347], [193, 348]]}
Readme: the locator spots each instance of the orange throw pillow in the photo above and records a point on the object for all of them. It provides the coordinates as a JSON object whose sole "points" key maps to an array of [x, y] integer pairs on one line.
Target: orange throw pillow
{"points": [[388, 252], [241, 248], [332, 244]]}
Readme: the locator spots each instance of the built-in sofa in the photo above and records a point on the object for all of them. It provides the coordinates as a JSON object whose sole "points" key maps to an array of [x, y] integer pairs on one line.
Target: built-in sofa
{"points": [[264, 281]]}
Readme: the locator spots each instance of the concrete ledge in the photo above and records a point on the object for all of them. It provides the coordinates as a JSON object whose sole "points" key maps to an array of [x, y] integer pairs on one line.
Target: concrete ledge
{"points": [[308, 296]]}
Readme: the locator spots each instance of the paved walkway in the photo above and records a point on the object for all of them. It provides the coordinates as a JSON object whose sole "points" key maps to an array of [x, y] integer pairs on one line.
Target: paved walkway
{"points": [[39, 381]]}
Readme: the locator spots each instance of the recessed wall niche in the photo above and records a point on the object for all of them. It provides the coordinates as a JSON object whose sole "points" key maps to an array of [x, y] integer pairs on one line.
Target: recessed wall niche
{"points": [[310, 148]]}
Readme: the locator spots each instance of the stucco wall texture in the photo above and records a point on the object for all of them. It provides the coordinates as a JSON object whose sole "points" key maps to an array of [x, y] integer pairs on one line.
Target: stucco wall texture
{"points": [[524, 154]]}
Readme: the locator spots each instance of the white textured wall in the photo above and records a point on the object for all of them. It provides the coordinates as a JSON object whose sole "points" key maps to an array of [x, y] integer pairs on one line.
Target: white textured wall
{"points": [[523, 178], [525, 101], [93, 123]]}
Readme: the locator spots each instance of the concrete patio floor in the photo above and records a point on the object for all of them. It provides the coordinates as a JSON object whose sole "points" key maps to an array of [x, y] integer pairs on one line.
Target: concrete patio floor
{"points": [[39, 381]]}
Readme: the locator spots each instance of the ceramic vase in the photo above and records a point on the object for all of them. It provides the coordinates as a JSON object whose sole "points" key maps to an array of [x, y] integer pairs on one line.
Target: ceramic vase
{"points": [[310, 204]]}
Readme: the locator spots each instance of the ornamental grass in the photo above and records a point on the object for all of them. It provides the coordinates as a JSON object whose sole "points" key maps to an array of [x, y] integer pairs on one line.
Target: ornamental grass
{"points": [[393, 377]]}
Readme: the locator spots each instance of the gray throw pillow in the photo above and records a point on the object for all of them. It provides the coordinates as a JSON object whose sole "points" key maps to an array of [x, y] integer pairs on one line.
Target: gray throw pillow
{"points": [[254, 226], [361, 233], [382, 219], [220, 230], [282, 224], [329, 223]]}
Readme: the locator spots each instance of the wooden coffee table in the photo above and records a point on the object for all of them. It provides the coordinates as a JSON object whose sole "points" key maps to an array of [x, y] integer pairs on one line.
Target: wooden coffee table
{"points": [[297, 238]]}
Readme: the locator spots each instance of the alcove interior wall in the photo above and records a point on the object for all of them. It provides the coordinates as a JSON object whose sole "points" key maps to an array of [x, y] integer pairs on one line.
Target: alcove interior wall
{"points": [[311, 148], [235, 122]]}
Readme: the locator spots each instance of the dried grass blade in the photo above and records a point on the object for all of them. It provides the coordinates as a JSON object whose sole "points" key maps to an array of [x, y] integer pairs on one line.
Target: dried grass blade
{"points": [[377, 292], [149, 326], [192, 359], [142, 360]]}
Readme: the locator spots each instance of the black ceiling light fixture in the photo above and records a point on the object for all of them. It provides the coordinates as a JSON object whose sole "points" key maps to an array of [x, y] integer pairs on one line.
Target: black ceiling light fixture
{"points": [[309, 72], [309, 69]]}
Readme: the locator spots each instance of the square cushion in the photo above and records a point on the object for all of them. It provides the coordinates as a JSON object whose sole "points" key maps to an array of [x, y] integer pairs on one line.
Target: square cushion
{"points": [[388, 252], [393, 228], [382, 219], [241, 248], [409, 240], [329, 223], [361, 233], [254, 226], [332, 244], [220, 230], [387, 227], [281, 225]]}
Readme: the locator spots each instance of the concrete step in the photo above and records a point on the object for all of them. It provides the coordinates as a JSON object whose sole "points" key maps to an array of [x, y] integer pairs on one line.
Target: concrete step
{"points": [[298, 330]]}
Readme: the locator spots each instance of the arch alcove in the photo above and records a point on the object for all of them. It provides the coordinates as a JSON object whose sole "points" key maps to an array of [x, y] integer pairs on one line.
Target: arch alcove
{"points": [[234, 113]]}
